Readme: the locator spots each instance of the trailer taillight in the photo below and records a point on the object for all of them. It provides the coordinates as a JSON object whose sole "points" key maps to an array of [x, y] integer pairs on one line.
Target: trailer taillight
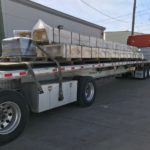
{"points": [[7, 75], [23, 73]]}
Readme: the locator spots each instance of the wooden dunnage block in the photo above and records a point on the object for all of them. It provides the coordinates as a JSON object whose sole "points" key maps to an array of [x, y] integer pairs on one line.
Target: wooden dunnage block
{"points": [[117, 54], [95, 53], [108, 53], [102, 53], [121, 54], [113, 54], [86, 52], [64, 51], [75, 51], [58, 51], [127, 54]]}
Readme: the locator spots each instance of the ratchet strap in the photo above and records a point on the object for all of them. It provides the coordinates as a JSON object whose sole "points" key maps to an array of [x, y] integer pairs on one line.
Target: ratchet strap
{"points": [[60, 78], [31, 72]]}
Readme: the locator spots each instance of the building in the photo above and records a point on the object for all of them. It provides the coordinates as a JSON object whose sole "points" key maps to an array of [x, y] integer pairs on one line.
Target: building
{"points": [[118, 36], [23, 14]]}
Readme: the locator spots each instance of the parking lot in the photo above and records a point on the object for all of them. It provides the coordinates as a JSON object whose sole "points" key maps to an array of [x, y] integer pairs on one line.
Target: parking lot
{"points": [[118, 120]]}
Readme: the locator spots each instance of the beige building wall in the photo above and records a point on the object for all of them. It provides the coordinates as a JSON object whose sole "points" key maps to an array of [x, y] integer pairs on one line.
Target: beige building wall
{"points": [[118, 36]]}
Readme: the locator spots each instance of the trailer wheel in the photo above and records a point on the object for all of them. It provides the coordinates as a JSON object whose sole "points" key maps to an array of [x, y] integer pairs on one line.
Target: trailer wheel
{"points": [[14, 114], [86, 91]]}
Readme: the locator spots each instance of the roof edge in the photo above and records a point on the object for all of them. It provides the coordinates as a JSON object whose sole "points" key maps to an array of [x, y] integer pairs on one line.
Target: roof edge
{"points": [[58, 13]]}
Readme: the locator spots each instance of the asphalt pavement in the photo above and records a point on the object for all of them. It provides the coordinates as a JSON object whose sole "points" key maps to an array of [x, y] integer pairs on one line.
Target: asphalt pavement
{"points": [[118, 120]]}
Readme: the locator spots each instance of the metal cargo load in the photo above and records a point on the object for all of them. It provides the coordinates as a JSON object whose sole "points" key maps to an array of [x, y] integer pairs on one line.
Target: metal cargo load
{"points": [[72, 45], [63, 44], [18, 46]]}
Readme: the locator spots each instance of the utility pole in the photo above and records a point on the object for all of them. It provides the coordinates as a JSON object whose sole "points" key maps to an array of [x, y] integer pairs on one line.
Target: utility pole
{"points": [[133, 17], [1, 27]]}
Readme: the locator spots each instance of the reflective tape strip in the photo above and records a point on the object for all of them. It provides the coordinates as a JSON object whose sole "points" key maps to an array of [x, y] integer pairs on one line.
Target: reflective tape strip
{"points": [[13, 74], [23, 73]]}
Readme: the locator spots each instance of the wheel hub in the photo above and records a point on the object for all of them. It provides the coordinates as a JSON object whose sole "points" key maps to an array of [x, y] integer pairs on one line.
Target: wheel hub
{"points": [[89, 91], [10, 116]]}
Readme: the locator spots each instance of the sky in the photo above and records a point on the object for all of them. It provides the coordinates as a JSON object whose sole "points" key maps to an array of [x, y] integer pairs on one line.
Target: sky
{"points": [[115, 15]]}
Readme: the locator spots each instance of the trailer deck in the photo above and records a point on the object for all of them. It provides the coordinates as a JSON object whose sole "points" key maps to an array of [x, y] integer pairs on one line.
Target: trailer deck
{"points": [[18, 70]]}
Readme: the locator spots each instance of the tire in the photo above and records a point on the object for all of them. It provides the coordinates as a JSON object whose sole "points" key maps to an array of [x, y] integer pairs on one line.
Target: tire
{"points": [[14, 114], [86, 91]]}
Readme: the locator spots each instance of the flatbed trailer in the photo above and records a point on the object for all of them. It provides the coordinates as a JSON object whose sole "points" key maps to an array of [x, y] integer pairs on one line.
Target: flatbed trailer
{"points": [[36, 77], [38, 86]]}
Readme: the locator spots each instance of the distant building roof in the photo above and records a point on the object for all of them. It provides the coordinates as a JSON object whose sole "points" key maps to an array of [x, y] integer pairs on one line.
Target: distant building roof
{"points": [[58, 13]]}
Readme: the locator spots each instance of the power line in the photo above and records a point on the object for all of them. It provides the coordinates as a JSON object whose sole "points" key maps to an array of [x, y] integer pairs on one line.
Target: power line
{"points": [[139, 13], [102, 13]]}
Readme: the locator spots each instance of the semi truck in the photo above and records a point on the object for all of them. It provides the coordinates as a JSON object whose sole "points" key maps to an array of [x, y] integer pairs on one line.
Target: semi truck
{"points": [[37, 84]]}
